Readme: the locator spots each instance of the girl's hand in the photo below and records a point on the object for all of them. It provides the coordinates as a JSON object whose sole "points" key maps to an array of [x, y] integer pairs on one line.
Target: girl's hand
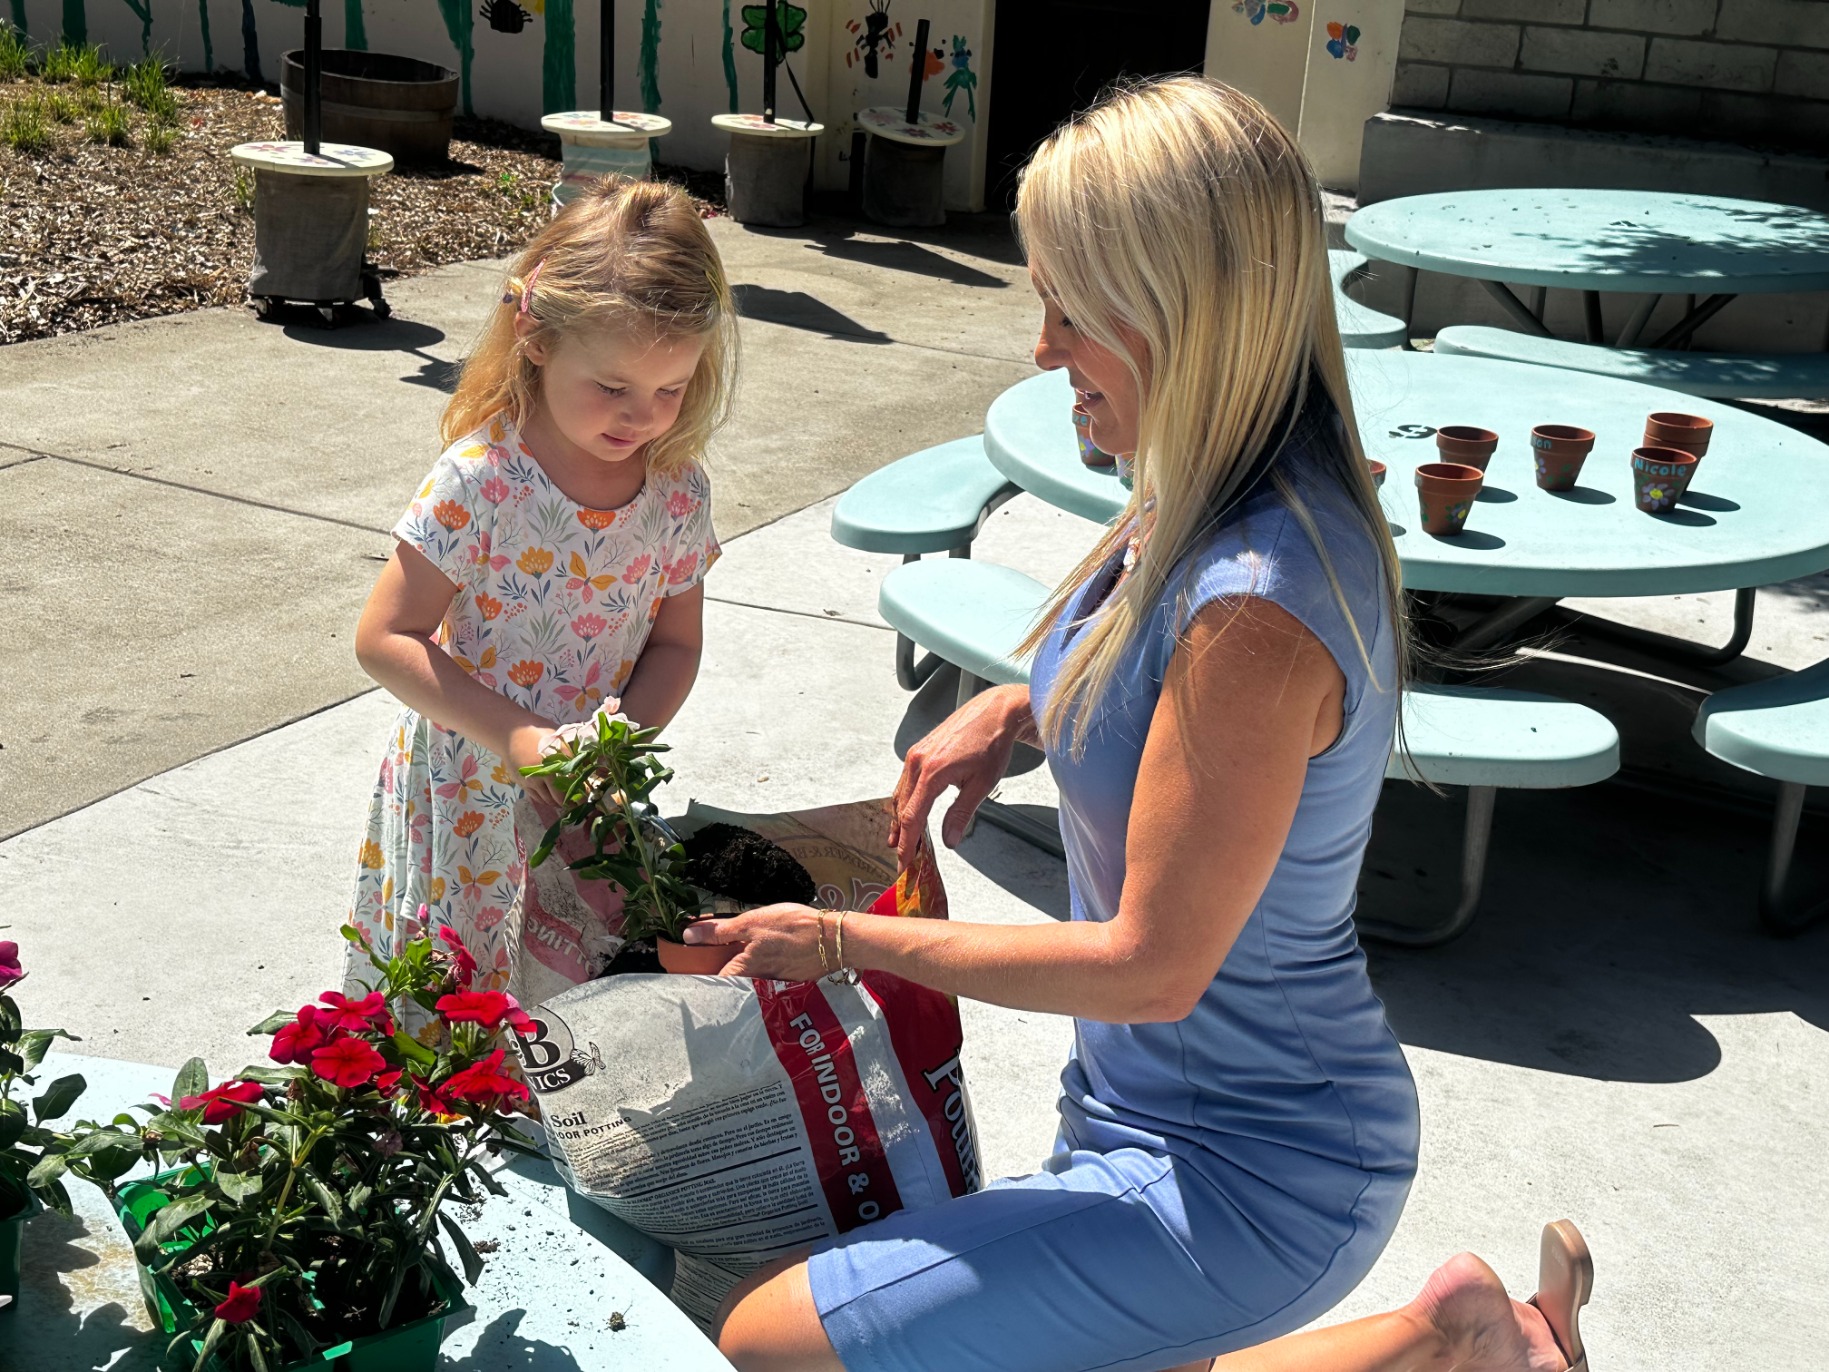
{"points": [[780, 942], [971, 751], [529, 745]]}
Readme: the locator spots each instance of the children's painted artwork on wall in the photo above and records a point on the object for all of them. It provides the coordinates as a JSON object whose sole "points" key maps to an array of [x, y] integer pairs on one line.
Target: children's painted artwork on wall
{"points": [[1342, 41], [874, 38], [962, 80], [1277, 11]]}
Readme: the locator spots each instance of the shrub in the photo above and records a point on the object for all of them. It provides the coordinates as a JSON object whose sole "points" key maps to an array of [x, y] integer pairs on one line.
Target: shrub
{"points": [[161, 137], [82, 64], [145, 85], [63, 107]]}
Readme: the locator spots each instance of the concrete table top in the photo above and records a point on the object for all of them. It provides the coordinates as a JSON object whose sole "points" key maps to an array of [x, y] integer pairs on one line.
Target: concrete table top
{"points": [[1757, 512], [560, 1269], [756, 125], [623, 128], [332, 159], [930, 130], [1601, 240]]}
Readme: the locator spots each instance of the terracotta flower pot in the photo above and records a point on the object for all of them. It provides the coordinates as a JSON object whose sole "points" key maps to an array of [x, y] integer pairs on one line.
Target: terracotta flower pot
{"points": [[694, 959], [1090, 453], [1687, 433], [1560, 449], [1659, 477], [1445, 490], [1378, 470], [1466, 445]]}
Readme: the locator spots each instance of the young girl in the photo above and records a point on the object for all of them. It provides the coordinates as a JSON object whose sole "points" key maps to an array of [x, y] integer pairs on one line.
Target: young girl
{"points": [[551, 565]]}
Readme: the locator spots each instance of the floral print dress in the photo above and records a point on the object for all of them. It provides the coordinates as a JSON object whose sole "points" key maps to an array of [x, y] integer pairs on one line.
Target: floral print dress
{"points": [[554, 604]]}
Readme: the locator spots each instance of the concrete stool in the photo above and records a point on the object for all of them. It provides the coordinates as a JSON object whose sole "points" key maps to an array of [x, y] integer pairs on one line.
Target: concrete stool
{"points": [[765, 173], [311, 224], [904, 165]]}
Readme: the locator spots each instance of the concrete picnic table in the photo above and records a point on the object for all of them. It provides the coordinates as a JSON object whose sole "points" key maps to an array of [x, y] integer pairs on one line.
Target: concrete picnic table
{"points": [[1757, 513], [561, 1267], [1635, 242]]}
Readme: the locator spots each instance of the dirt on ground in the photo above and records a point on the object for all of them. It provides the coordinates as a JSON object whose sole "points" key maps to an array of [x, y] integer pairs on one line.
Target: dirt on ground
{"points": [[92, 234]]}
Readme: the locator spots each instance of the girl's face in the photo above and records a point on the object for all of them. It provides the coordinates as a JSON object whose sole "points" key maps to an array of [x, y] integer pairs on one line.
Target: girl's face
{"points": [[609, 392], [1102, 381]]}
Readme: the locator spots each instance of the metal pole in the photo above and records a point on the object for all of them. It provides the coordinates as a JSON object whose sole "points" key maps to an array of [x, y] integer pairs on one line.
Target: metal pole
{"points": [[917, 72], [606, 60], [768, 64], [313, 121]]}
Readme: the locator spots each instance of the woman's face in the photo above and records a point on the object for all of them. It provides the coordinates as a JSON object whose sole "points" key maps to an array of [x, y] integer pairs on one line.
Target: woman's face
{"points": [[1102, 381]]}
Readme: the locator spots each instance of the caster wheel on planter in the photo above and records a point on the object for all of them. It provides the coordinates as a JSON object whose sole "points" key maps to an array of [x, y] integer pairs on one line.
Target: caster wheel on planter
{"points": [[328, 313], [381, 308], [263, 308]]}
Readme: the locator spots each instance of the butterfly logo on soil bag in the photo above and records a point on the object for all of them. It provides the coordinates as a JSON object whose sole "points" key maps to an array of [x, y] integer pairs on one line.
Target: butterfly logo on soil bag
{"points": [[1342, 41]]}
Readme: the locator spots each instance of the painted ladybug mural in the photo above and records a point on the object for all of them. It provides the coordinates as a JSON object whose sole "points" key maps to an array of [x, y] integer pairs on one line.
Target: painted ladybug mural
{"points": [[504, 16]]}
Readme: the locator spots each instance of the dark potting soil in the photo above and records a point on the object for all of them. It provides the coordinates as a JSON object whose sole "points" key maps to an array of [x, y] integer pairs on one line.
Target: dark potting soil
{"points": [[743, 866]]}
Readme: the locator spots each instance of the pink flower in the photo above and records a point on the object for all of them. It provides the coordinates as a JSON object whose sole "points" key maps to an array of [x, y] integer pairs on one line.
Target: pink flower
{"points": [[223, 1102], [490, 916], [242, 1304], [388, 1082], [681, 572], [679, 504], [297, 1041], [519, 1020], [356, 1016], [485, 1084], [589, 626], [347, 1062], [495, 490], [487, 1008], [637, 569], [10, 970], [429, 1099], [466, 964]]}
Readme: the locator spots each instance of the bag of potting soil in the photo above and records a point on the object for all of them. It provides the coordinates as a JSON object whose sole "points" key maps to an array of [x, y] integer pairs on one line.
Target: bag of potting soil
{"points": [[737, 1120]]}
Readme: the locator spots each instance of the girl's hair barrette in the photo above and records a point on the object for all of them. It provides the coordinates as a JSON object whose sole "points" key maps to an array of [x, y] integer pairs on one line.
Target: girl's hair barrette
{"points": [[526, 297]]}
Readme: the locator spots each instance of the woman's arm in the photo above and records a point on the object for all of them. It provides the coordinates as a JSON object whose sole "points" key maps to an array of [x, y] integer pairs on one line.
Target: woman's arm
{"points": [[1250, 696], [669, 661], [394, 645]]}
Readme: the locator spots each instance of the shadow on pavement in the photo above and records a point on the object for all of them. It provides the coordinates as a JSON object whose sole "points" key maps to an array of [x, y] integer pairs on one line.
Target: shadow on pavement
{"points": [[901, 255], [798, 310], [363, 332], [70, 1314], [500, 1349]]}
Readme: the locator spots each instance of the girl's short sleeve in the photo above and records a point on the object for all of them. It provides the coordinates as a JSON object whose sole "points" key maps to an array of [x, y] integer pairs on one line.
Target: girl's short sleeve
{"points": [[692, 544], [448, 521]]}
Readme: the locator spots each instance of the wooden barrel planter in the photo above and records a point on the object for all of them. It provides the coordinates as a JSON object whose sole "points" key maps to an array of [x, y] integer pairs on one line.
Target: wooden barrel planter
{"points": [[375, 100]]}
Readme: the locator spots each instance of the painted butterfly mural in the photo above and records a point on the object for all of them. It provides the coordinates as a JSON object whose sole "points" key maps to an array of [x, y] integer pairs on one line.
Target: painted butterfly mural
{"points": [[1278, 11], [1342, 41]]}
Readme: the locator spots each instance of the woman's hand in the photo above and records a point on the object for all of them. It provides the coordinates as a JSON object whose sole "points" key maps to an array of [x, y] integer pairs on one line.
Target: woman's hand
{"points": [[971, 751], [780, 942]]}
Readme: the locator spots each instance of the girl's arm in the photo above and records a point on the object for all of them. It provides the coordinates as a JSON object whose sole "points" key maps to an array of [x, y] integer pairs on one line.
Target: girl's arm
{"points": [[669, 661], [1251, 695], [394, 645]]}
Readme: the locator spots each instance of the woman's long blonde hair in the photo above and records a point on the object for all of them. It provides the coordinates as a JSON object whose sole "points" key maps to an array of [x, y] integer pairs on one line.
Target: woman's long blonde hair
{"points": [[624, 255], [1180, 213]]}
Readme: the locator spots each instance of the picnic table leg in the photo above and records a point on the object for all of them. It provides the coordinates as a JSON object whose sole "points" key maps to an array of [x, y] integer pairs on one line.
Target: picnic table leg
{"points": [[1539, 297], [1636, 325], [1476, 839], [1698, 316], [1680, 650], [1515, 308], [1498, 624], [1778, 915], [909, 674], [1014, 821], [1590, 301], [1408, 312]]}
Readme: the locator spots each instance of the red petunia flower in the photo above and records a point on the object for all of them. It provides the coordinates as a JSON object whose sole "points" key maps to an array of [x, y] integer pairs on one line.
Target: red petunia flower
{"points": [[242, 1305], [356, 1016], [297, 1041], [466, 964], [485, 1084], [347, 1062], [519, 1020], [487, 1008], [10, 970], [388, 1082], [430, 1100], [223, 1102]]}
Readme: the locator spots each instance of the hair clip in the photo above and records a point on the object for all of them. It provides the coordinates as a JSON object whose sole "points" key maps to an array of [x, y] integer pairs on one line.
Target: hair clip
{"points": [[527, 290]]}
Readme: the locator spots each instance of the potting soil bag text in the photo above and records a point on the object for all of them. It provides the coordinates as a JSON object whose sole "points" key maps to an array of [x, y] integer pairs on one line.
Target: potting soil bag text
{"points": [[738, 1120]]}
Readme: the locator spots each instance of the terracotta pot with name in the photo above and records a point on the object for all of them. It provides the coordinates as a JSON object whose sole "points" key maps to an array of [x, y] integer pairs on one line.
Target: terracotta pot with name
{"points": [[1445, 491], [694, 959], [1465, 444], [1378, 470], [1560, 449], [1659, 478], [1687, 433]]}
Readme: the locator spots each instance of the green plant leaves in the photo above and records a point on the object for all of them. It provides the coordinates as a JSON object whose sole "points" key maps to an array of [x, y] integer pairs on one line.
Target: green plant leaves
{"points": [[466, 1251], [193, 1079], [274, 1022], [56, 1099]]}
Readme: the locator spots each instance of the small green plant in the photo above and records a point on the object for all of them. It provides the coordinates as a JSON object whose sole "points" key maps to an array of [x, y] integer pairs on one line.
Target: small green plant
{"points": [[108, 126], [24, 126], [63, 107], [604, 786], [145, 85], [29, 1144], [15, 55], [243, 190], [81, 64], [160, 138]]}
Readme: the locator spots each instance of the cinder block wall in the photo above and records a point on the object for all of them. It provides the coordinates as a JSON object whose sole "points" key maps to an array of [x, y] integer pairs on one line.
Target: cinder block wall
{"points": [[1743, 70]]}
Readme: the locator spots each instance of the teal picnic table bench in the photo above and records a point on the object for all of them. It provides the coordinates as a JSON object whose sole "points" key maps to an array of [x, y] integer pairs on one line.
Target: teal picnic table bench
{"points": [[974, 615]]}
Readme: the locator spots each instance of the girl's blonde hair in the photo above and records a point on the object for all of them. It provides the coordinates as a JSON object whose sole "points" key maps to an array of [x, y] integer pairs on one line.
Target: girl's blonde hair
{"points": [[624, 255], [1180, 214]]}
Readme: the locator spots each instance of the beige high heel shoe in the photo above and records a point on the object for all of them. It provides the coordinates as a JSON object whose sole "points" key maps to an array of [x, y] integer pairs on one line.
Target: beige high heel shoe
{"points": [[1565, 1280]]}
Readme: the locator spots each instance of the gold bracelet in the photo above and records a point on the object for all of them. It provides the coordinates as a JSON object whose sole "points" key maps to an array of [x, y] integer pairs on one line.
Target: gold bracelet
{"points": [[841, 944], [825, 963]]}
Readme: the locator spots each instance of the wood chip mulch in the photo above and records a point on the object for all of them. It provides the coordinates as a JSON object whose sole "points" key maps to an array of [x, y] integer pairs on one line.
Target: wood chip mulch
{"points": [[93, 235]]}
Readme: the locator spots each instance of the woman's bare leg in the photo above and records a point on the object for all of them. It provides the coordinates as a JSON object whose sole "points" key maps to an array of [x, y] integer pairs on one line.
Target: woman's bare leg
{"points": [[768, 1322], [1463, 1321]]}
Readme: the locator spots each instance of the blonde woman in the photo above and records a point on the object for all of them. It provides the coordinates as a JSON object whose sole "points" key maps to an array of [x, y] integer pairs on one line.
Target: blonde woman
{"points": [[1216, 687]]}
